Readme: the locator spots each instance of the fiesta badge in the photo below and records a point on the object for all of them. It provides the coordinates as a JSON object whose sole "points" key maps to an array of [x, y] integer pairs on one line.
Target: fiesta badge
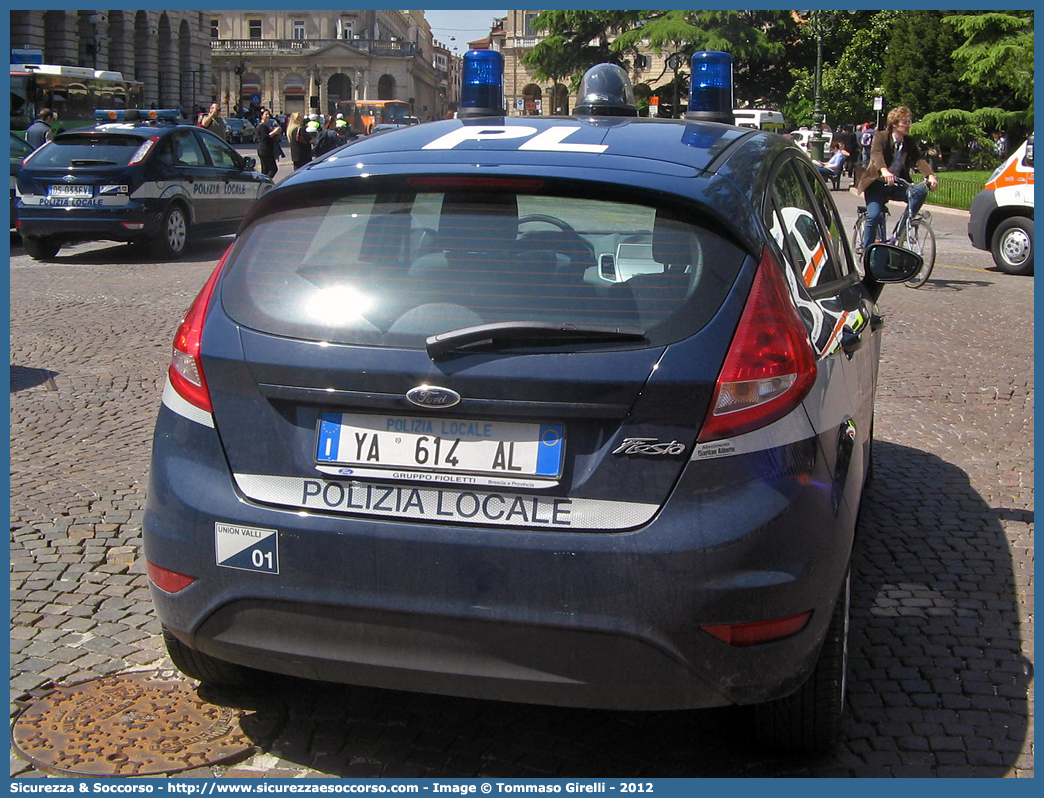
{"points": [[432, 396]]}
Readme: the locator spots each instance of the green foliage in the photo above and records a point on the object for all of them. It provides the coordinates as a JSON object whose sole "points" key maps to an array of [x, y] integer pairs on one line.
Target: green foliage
{"points": [[954, 127], [918, 65], [580, 39], [997, 54], [852, 67], [932, 61]]}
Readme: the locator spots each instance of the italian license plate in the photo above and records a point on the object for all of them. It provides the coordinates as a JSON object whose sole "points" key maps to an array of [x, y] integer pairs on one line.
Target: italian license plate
{"points": [[70, 191], [444, 445]]}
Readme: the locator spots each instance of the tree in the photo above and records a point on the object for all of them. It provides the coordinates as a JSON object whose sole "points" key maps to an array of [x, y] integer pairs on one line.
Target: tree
{"points": [[852, 48], [997, 55], [577, 40], [918, 65], [996, 60]]}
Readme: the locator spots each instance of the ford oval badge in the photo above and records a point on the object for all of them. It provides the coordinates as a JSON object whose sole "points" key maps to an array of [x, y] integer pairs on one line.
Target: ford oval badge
{"points": [[432, 396]]}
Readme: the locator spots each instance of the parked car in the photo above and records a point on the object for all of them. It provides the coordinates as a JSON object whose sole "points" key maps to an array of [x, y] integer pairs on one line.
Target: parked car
{"points": [[1001, 218], [19, 150], [134, 179], [536, 409], [804, 135], [239, 130]]}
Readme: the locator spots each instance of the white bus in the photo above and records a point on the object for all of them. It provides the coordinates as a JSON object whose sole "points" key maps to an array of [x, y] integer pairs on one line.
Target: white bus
{"points": [[759, 119]]}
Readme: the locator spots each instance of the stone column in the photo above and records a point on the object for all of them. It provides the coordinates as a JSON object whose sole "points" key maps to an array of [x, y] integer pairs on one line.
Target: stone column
{"points": [[27, 29], [121, 41], [61, 38]]}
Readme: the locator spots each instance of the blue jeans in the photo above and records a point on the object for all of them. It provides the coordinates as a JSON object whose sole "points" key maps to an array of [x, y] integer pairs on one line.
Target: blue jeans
{"points": [[877, 194]]}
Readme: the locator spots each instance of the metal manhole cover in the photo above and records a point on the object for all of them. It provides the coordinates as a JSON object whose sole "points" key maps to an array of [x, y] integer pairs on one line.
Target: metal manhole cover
{"points": [[138, 724]]}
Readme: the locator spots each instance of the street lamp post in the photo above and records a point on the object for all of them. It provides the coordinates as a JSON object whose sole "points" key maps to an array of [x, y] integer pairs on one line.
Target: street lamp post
{"points": [[821, 22], [239, 70], [817, 143]]}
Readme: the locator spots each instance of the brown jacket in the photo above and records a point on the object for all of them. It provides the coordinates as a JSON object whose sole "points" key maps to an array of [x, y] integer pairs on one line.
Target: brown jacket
{"points": [[882, 150]]}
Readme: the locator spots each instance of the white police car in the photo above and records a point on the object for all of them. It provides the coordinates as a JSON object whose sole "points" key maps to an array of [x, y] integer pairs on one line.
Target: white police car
{"points": [[138, 177], [548, 410]]}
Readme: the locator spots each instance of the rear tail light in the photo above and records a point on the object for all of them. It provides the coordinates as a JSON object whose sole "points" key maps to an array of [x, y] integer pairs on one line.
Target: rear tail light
{"points": [[167, 581], [770, 366], [143, 150], [752, 634], [186, 370]]}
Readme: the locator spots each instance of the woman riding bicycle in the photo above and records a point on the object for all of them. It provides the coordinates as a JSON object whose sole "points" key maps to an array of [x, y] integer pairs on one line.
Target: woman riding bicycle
{"points": [[891, 154]]}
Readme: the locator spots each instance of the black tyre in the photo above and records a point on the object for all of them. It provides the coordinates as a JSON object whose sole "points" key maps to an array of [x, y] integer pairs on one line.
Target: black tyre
{"points": [[205, 668], [41, 248], [1012, 245], [174, 233], [810, 719], [920, 238]]}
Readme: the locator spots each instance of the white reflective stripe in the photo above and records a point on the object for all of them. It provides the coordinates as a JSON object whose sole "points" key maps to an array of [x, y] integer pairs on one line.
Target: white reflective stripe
{"points": [[792, 428], [174, 401], [445, 505], [74, 202], [155, 189]]}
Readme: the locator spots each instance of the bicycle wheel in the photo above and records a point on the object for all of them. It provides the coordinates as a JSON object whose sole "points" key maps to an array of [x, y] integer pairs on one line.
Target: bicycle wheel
{"points": [[857, 242], [919, 237]]}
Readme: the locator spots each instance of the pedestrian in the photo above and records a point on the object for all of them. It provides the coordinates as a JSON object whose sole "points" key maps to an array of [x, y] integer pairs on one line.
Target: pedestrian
{"points": [[40, 130], [850, 144], [1000, 143], [866, 139], [213, 122], [892, 153], [300, 140], [327, 139], [838, 158], [267, 135]]}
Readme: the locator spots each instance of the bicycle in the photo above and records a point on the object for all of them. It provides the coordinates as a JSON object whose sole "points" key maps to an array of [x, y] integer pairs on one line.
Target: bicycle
{"points": [[914, 233]]}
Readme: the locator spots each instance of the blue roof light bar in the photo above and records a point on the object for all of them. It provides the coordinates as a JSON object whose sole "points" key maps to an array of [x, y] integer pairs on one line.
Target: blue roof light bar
{"points": [[710, 88], [482, 84]]}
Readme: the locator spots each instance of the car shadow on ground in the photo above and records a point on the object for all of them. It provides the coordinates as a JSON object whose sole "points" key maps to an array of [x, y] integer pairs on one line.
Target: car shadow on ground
{"points": [[25, 377], [935, 671], [936, 663], [113, 252]]}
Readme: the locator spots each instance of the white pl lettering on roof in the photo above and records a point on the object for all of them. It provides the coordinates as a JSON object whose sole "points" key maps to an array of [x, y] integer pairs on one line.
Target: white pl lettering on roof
{"points": [[550, 140]]}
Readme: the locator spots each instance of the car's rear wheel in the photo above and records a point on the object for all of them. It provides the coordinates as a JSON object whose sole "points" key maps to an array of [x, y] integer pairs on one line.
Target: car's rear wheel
{"points": [[41, 247], [1012, 245], [174, 233], [205, 668], [810, 719]]}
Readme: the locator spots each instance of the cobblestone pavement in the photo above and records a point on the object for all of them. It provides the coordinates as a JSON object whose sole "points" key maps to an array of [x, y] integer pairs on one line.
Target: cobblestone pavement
{"points": [[941, 674]]}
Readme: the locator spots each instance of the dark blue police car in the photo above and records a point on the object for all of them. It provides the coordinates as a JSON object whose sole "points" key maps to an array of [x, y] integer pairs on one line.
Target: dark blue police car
{"points": [[552, 410], [138, 177]]}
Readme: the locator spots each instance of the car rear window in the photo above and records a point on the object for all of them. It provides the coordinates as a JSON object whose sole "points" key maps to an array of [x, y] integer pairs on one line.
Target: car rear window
{"points": [[96, 150], [394, 266]]}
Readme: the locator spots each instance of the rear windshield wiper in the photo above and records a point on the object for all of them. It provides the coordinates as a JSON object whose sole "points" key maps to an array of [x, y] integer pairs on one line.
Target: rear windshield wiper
{"points": [[90, 162], [516, 332]]}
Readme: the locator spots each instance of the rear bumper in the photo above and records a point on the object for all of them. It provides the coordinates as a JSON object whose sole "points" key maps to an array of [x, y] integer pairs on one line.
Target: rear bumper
{"points": [[589, 619], [76, 224]]}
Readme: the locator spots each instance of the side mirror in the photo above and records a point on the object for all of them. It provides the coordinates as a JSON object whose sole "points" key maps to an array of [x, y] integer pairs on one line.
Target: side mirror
{"points": [[249, 163], [887, 263]]}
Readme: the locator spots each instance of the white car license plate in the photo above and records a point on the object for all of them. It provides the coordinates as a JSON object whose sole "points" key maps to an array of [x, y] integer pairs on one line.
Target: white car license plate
{"points": [[445, 445], [70, 191]]}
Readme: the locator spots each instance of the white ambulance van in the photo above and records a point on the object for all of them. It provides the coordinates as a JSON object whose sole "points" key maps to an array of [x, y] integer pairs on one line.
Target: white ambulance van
{"points": [[1002, 213]]}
